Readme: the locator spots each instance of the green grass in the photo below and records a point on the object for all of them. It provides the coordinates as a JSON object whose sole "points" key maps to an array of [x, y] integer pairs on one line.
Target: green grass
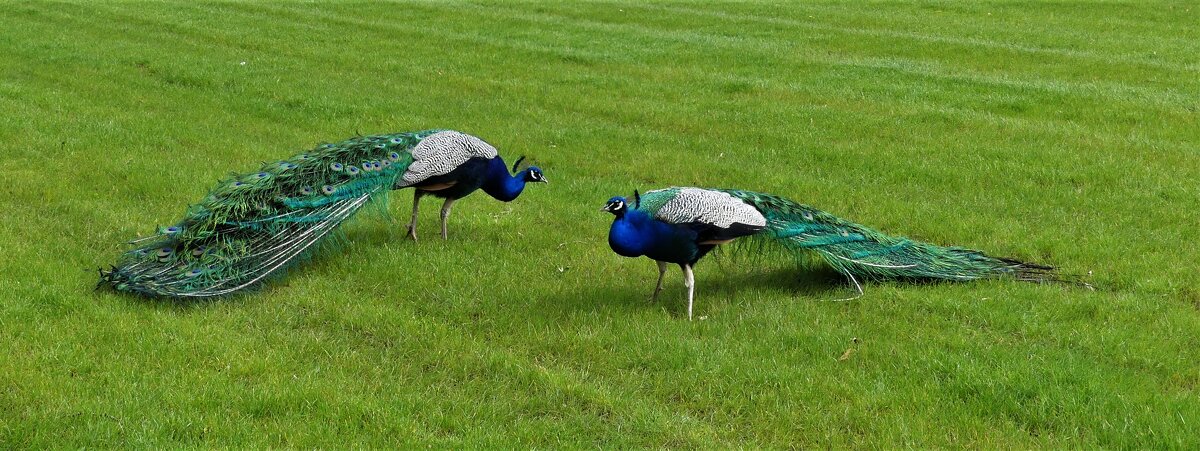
{"points": [[1059, 133]]}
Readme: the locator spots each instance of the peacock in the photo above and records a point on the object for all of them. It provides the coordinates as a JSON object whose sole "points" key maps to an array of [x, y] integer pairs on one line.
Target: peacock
{"points": [[681, 225], [254, 225]]}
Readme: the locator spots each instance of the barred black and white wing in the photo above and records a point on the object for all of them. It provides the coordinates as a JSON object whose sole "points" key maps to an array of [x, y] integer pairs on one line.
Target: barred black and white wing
{"points": [[441, 153], [715, 215]]}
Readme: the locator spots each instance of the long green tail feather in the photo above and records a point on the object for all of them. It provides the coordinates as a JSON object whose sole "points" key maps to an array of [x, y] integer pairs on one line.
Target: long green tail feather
{"points": [[860, 252], [256, 225]]}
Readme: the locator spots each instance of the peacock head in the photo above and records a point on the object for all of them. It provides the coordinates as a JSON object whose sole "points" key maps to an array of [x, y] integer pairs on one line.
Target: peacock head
{"points": [[616, 206], [531, 173]]}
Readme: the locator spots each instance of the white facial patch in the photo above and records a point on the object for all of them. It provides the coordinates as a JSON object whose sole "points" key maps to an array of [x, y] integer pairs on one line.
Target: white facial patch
{"points": [[442, 152], [709, 207]]}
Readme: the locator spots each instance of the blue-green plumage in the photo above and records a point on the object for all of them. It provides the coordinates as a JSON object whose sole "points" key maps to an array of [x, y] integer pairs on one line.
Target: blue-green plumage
{"points": [[680, 225], [257, 224]]}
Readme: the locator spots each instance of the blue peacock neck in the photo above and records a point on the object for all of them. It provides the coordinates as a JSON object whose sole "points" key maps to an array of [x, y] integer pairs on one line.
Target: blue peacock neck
{"points": [[499, 184]]}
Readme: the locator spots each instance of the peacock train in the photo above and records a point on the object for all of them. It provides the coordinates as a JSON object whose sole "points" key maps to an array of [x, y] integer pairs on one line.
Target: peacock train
{"points": [[255, 225]]}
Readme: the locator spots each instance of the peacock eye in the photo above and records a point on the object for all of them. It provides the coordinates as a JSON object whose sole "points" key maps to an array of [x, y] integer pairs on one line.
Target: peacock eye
{"points": [[262, 175], [198, 251], [367, 166], [353, 170], [194, 273], [397, 140], [394, 156], [172, 229], [306, 191], [328, 189], [336, 166], [164, 254]]}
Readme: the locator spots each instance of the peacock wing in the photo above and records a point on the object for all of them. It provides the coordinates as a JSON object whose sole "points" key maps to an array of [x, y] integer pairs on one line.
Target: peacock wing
{"points": [[715, 215], [442, 153]]}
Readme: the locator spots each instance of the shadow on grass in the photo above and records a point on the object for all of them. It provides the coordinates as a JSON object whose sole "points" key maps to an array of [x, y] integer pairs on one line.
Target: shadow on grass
{"points": [[813, 284], [174, 304], [320, 262], [818, 282]]}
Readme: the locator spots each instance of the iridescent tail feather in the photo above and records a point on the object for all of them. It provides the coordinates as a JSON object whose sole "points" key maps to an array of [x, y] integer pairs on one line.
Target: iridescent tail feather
{"points": [[256, 225], [859, 252]]}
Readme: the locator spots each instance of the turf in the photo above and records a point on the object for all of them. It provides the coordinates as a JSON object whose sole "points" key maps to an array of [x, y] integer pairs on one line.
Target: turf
{"points": [[1061, 133]]}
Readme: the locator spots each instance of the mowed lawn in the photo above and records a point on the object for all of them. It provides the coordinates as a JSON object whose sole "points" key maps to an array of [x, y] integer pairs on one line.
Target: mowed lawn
{"points": [[1065, 134]]}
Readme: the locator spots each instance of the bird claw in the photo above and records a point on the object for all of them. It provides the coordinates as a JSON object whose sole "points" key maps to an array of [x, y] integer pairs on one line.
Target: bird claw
{"points": [[412, 232]]}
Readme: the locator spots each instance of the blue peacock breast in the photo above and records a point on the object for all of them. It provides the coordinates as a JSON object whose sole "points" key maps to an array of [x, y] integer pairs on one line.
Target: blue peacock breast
{"points": [[635, 235], [625, 239]]}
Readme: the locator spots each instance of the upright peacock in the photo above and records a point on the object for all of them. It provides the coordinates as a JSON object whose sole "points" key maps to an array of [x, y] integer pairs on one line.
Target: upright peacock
{"points": [[251, 226], [680, 225]]}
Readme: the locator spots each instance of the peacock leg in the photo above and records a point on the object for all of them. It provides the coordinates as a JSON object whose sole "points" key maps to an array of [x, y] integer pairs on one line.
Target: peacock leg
{"points": [[412, 226], [689, 281], [446, 217], [662, 270]]}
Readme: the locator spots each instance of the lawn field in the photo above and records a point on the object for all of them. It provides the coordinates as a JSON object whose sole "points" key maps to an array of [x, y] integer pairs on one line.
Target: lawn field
{"points": [[1066, 134]]}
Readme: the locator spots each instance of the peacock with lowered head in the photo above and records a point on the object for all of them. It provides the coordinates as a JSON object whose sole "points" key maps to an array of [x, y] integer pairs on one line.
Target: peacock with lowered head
{"points": [[255, 225], [680, 225]]}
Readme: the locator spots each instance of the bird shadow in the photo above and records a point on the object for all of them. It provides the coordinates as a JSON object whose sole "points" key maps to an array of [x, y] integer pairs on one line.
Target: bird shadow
{"points": [[354, 242], [816, 284], [318, 262], [173, 304], [812, 282]]}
